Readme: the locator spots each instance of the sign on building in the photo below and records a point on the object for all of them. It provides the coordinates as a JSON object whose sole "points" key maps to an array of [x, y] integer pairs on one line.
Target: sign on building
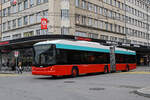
{"points": [[43, 23]]}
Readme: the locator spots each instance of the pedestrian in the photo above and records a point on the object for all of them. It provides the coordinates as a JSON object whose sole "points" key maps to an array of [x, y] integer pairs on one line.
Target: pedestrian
{"points": [[20, 67]]}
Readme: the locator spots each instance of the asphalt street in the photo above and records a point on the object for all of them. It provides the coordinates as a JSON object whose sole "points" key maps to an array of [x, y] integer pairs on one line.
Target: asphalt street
{"points": [[113, 86]]}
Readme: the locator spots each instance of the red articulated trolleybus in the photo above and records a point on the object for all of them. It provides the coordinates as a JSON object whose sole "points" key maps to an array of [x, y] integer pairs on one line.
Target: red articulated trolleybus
{"points": [[65, 57]]}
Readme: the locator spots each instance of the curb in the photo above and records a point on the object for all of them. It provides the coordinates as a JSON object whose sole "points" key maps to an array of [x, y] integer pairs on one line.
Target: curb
{"points": [[143, 92]]}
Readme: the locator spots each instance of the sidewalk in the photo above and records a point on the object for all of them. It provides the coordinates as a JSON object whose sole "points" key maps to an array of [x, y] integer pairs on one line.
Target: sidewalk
{"points": [[143, 68], [7, 72]]}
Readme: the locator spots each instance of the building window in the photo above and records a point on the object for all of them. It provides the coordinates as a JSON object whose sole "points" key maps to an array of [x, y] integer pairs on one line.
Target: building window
{"points": [[89, 6], [38, 32], [114, 4], [89, 21], [65, 14], [6, 38], [16, 36], [115, 28], [25, 20], [38, 17], [83, 4], [65, 30], [4, 12], [14, 23], [19, 22], [31, 3], [92, 35], [9, 25], [96, 23], [95, 8], [101, 10], [104, 37], [28, 34], [25, 4], [123, 30], [105, 12], [84, 20], [106, 25], [31, 19], [77, 19], [100, 24], [20, 6], [44, 32], [45, 1], [45, 14], [82, 34], [111, 27], [121, 40], [38, 2], [41, 32], [77, 3], [4, 26], [9, 8]]}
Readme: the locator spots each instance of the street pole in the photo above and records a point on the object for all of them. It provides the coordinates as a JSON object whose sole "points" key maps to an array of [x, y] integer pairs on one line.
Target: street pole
{"points": [[1, 31], [16, 64], [1, 22], [148, 35]]}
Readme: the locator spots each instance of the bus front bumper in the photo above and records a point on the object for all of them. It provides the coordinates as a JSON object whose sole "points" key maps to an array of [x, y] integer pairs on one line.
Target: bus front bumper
{"points": [[43, 71]]}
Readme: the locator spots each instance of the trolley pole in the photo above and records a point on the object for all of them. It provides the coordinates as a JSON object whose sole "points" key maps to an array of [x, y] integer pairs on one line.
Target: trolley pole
{"points": [[16, 54]]}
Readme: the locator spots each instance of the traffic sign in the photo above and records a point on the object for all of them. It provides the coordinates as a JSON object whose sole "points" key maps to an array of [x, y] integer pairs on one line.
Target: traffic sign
{"points": [[16, 53]]}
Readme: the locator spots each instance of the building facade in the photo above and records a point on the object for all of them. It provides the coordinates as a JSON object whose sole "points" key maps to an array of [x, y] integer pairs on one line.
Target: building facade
{"points": [[116, 20], [125, 21]]}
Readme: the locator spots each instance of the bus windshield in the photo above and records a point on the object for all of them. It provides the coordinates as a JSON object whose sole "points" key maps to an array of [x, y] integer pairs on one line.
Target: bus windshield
{"points": [[44, 55]]}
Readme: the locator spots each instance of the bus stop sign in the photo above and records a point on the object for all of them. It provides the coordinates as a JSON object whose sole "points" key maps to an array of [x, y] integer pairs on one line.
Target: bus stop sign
{"points": [[16, 54]]}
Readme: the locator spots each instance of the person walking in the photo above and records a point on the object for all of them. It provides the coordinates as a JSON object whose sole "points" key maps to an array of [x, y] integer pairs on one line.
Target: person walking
{"points": [[20, 67]]}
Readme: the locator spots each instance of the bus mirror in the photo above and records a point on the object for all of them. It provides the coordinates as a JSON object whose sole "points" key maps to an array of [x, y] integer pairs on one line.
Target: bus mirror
{"points": [[53, 46]]}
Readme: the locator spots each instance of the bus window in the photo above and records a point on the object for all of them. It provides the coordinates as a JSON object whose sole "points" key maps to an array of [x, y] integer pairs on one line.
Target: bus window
{"points": [[61, 57]]}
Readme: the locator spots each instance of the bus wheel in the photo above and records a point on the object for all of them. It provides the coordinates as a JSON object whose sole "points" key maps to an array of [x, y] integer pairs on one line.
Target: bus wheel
{"points": [[106, 70], [127, 68], [74, 72], [54, 76]]}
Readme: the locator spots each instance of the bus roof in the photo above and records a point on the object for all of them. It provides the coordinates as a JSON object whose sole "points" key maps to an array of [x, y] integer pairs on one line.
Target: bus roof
{"points": [[85, 46]]}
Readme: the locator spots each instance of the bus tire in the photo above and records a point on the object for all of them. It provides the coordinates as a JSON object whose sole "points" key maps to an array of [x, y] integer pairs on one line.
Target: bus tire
{"points": [[106, 70], [127, 68], [54, 76], [74, 72]]}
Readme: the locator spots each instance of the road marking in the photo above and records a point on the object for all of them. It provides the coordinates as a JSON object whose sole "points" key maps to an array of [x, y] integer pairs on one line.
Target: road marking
{"points": [[8, 75], [138, 72], [14, 74]]}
